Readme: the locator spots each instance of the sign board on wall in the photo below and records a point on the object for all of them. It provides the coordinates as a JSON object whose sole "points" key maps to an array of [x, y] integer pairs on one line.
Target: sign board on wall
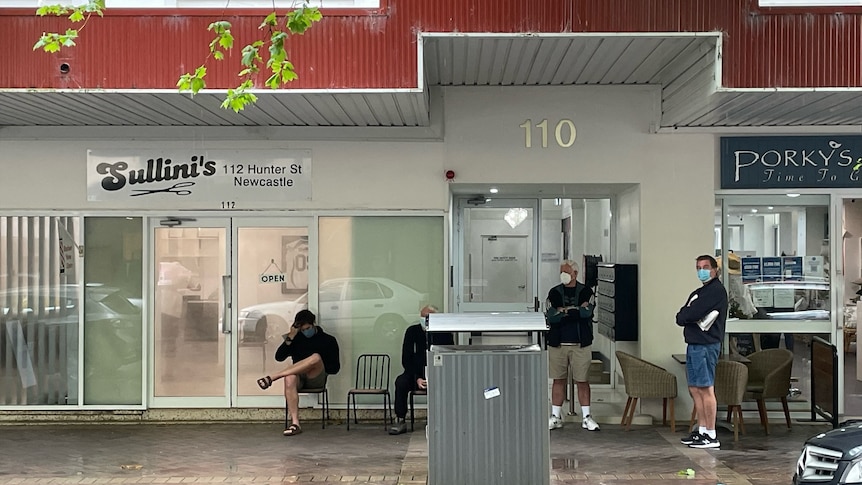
{"points": [[213, 179], [791, 268], [775, 162], [752, 270], [771, 266]]}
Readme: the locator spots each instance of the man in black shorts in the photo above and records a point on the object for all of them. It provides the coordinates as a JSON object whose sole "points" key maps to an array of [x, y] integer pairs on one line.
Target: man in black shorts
{"points": [[315, 356]]}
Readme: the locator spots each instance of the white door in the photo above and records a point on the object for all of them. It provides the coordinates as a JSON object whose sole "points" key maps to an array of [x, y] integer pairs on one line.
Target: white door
{"points": [[224, 291], [505, 268]]}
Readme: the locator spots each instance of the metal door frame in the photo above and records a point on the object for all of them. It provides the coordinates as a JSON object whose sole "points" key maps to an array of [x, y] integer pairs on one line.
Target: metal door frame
{"points": [[232, 224], [463, 203]]}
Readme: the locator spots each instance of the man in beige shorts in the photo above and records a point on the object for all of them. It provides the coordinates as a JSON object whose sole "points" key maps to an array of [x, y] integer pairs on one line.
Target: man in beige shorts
{"points": [[570, 337]]}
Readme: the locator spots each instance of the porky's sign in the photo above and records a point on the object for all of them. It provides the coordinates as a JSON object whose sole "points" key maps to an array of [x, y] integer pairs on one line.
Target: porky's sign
{"points": [[201, 179]]}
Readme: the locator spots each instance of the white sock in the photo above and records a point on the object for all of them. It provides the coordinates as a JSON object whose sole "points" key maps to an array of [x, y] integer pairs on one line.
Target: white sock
{"points": [[701, 429], [585, 410], [710, 433], [557, 411]]}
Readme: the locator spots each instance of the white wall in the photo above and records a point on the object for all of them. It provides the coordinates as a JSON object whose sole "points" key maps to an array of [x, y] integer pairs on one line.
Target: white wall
{"points": [[753, 237], [815, 229]]}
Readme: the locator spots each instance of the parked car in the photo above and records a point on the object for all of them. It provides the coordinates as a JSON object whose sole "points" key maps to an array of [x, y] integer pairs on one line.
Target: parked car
{"points": [[112, 323], [832, 458], [379, 307], [102, 303]]}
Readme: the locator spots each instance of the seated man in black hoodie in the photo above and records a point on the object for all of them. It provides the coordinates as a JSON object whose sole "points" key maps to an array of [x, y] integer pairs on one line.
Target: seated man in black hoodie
{"points": [[414, 359], [315, 356]]}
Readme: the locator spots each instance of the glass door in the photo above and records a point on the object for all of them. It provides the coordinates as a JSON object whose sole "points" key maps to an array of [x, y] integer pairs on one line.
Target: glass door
{"points": [[271, 279], [224, 290], [497, 242]]}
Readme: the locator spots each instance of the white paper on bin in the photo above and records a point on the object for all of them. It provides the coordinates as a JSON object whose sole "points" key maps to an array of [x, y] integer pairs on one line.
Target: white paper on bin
{"points": [[487, 322]]}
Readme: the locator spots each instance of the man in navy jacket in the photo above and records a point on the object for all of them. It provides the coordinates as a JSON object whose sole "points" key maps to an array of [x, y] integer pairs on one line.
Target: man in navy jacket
{"points": [[702, 318]]}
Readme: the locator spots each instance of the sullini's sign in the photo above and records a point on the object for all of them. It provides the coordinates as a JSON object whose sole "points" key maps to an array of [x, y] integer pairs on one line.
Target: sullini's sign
{"points": [[774, 162], [217, 179]]}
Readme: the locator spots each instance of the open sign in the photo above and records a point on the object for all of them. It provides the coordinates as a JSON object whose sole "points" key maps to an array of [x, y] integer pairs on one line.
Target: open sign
{"points": [[272, 278]]}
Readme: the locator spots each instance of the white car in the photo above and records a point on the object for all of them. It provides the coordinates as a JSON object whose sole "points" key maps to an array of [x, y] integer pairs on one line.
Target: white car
{"points": [[380, 308]]}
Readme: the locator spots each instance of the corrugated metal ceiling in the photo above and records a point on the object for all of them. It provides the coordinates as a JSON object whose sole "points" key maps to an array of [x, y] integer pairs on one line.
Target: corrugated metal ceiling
{"points": [[685, 65]]}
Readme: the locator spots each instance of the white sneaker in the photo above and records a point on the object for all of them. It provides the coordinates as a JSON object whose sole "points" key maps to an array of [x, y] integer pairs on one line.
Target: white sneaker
{"points": [[555, 422], [590, 424]]}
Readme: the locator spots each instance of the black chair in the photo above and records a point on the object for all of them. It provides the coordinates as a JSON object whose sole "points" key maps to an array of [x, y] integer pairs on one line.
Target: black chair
{"points": [[372, 378], [415, 392], [324, 411]]}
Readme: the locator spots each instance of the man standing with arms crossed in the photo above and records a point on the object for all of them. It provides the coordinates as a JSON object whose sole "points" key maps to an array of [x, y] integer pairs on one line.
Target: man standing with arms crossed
{"points": [[703, 318], [570, 336]]}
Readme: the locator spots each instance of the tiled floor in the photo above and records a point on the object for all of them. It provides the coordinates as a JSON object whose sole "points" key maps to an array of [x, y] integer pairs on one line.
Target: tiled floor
{"points": [[218, 453]]}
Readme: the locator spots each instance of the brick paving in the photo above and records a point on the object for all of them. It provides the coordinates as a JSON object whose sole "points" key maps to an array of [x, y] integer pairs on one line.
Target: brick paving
{"points": [[258, 453]]}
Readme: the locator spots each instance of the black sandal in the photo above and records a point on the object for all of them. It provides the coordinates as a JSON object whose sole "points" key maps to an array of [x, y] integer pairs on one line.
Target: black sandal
{"points": [[264, 382], [293, 430]]}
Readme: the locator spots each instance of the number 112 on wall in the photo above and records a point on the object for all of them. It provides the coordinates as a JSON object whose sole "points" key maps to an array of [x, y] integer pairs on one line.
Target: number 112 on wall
{"points": [[564, 133]]}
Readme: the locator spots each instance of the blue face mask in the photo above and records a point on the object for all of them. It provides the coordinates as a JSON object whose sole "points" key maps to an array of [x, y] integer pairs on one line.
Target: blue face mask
{"points": [[308, 332], [703, 275]]}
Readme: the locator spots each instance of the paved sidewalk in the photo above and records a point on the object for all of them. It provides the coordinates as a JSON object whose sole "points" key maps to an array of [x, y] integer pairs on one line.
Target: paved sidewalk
{"points": [[243, 453]]}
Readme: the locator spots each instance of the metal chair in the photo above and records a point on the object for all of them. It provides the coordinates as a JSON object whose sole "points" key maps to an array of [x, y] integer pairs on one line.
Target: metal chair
{"points": [[769, 378], [372, 379], [646, 380], [324, 411], [415, 392]]}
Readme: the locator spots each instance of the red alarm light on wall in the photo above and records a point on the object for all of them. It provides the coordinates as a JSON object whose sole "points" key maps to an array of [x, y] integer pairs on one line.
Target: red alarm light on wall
{"points": [[450, 175]]}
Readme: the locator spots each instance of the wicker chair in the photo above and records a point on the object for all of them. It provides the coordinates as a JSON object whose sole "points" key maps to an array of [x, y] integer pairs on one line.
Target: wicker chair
{"points": [[646, 380], [769, 378], [730, 381]]}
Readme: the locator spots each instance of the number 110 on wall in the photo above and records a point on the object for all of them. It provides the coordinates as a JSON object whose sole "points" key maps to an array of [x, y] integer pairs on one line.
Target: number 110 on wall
{"points": [[564, 133]]}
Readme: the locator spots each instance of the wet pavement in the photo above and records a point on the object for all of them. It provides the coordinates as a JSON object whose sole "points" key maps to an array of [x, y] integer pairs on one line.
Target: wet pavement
{"points": [[258, 453]]}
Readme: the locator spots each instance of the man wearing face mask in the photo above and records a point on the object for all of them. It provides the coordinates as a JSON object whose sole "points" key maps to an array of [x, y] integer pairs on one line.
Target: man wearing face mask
{"points": [[414, 359], [315, 356], [705, 304], [570, 335]]}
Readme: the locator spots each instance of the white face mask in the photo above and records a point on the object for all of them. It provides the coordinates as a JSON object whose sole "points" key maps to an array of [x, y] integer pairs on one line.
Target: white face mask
{"points": [[565, 278]]}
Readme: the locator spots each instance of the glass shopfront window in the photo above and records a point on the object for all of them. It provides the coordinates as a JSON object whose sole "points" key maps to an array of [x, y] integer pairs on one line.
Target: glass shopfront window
{"points": [[777, 254], [375, 274], [40, 304], [113, 322], [44, 308], [775, 257]]}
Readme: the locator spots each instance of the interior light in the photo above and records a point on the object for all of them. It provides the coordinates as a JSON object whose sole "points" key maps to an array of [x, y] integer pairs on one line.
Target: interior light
{"points": [[493, 190], [754, 211], [515, 216], [793, 195], [770, 207]]}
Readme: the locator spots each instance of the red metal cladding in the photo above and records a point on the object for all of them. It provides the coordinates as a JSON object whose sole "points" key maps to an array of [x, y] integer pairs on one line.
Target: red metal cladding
{"points": [[150, 49]]}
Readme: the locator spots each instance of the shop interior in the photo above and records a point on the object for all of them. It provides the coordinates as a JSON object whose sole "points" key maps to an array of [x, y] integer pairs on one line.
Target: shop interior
{"points": [[778, 253]]}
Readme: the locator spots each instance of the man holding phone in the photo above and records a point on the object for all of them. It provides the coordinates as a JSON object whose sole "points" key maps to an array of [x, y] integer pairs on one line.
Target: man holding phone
{"points": [[570, 337]]}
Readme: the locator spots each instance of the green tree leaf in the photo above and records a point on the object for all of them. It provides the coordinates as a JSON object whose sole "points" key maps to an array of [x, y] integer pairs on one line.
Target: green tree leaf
{"points": [[281, 69], [271, 20], [51, 41]]}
